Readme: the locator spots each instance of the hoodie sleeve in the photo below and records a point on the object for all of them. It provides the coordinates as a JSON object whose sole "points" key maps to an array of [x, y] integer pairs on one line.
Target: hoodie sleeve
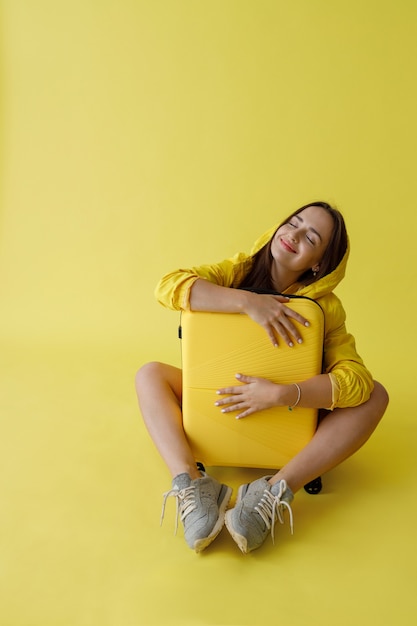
{"points": [[174, 289], [353, 380]]}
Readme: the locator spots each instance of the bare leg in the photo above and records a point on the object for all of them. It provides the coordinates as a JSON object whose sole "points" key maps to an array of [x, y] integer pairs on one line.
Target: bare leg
{"points": [[159, 390], [339, 435]]}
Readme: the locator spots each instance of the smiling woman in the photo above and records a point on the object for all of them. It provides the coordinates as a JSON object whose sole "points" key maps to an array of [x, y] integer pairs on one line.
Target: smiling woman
{"points": [[306, 255], [323, 228], [298, 246]]}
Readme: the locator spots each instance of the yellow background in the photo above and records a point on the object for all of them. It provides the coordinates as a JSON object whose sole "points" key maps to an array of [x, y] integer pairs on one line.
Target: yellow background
{"points": [[140, 136]]}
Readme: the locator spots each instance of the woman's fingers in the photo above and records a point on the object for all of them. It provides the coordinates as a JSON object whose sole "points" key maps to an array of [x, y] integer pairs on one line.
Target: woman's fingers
{"points": [[278, 319], [234, 396], [296, 316], [231, 396], [284, 327], [289, 333], [254, 395], [233, 405]]}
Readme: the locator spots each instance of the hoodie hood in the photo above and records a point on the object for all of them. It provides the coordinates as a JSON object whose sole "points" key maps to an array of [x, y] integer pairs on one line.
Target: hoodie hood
{"points": [[321, 287]]}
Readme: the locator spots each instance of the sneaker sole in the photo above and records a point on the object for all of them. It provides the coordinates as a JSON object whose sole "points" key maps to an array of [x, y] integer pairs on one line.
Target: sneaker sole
{"points": [[224, 498], [240, 540]]}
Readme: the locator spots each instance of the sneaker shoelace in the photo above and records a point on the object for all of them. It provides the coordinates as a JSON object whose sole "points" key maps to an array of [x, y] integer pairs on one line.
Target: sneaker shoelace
{"points": [[185, 500], [272, 507]]}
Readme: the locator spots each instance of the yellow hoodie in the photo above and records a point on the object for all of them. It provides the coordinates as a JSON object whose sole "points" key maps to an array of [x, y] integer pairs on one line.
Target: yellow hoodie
{"points": [[352, 383]]}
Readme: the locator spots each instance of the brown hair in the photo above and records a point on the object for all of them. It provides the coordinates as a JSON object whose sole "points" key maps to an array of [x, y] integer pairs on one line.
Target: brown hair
{"points": [[259, 276]]}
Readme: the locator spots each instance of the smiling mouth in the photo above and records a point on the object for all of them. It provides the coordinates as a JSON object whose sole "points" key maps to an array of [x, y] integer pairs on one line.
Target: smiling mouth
{"points": [[287, 246]]}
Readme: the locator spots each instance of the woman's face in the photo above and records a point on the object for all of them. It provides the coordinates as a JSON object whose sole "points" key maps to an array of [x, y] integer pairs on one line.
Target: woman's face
{"points": [[299, 244]]}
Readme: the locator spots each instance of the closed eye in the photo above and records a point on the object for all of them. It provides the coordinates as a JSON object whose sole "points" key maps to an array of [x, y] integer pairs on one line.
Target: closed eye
{"points": [[309, 239]]}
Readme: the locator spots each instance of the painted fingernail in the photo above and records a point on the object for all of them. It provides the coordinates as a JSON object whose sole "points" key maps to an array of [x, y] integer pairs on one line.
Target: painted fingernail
{"points": [[291, 344], [307, 324], [300, 341]]}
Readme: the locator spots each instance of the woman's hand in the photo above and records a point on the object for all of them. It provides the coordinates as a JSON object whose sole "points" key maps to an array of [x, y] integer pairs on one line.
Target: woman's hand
{"points": [[271, 313], [255, 395]]}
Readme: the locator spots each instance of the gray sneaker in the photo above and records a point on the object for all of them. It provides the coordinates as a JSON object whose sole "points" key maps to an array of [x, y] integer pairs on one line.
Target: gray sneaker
{"points": [[258, 506], [201, 505]]}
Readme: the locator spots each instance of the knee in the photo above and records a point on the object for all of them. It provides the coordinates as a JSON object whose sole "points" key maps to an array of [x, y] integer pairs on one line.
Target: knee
{"points": [[146, 374], [380, 400]]}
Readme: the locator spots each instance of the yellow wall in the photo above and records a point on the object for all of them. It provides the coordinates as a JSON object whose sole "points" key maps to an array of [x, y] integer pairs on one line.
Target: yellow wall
{"points": [[139, 136], [143, 135]]}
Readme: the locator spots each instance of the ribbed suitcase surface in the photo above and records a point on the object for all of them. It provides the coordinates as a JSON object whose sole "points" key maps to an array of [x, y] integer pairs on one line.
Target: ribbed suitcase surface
{"points": [[216, 346]]}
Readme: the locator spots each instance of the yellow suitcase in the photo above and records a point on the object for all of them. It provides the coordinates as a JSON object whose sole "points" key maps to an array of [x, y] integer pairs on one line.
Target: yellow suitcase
{"points": [[216, 346]]}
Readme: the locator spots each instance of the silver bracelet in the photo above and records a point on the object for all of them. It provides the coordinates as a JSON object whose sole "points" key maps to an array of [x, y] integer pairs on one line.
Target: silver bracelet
{"points": [[290, 408]]}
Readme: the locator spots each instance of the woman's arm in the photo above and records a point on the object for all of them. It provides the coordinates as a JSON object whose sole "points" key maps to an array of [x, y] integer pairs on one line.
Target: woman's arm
{"points": [[353, 381], [207, 296], [214, 288], [257, 394], [266, 310]]}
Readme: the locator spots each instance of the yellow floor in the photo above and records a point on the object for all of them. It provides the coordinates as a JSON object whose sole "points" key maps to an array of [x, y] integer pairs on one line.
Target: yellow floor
{"points": [[81, 544]]}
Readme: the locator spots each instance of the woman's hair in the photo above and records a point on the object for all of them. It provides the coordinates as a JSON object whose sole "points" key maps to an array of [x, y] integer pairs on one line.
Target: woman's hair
{"points": [[259, 277]]}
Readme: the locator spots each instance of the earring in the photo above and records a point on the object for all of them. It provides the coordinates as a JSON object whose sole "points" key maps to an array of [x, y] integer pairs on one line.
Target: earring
{"points": [[315, 270]]}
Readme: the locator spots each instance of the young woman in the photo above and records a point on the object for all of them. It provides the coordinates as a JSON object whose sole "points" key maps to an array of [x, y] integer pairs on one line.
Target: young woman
{"points": [[305, 255]]}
